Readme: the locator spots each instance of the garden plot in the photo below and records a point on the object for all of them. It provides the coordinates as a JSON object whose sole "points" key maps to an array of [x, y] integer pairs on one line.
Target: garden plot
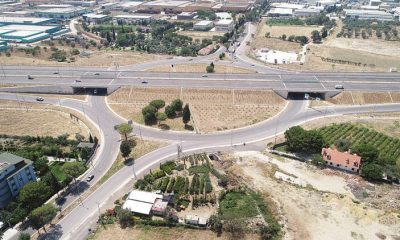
{"points": [[212, 109]]}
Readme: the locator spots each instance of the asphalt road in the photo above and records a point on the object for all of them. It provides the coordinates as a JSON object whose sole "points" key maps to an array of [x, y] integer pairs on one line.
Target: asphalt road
{"points": [[75, 225]]}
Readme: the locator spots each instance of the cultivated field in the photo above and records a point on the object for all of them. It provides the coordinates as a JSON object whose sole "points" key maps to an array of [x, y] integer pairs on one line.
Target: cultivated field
{"points": [[38, 120], [199, 68], [361, 98], [212, 110]]}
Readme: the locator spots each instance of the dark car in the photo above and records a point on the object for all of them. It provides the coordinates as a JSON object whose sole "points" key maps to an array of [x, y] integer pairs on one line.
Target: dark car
{"points": [[30, 77], [89, 178], [40, 99], [145, 82]]}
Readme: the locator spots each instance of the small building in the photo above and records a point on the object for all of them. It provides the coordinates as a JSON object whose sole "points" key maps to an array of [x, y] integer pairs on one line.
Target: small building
{"points": [[204, 25], [88, 145], [141, 202], [109, 5], [195, 220], [223, 15], [95, 18], [15, 173], [159, 207], [226, 25], [343, 160], [280, 12], [82, 3], [186, 15]]}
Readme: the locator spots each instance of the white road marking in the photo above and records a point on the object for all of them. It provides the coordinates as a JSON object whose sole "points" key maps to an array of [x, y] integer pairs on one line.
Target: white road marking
{"points": [[320, 82]]}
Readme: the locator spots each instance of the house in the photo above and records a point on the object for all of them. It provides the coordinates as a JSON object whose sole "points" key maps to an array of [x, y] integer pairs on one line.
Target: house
{"points": [[15, 173], [159, 207], [343, 160], [195, 220], [142, 202]]}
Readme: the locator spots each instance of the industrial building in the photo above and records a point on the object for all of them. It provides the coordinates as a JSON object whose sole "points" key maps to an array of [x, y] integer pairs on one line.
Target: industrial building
{"points": [[306, 12], [280, 12], [95, 18], [128, 19], [131, 6], [6, 20], [225, 25], [3, 45], [368, 15], [15, 173], [61, 13], [164, 6], [203, 25], [81, 3], [223, 15]]}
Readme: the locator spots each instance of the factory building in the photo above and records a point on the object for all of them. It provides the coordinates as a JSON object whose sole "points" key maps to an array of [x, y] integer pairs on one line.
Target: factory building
{"points": [[226, 25], [368, 15], [128, 19], [306, 12], [95, 18], [61, 13], [186, 15]]}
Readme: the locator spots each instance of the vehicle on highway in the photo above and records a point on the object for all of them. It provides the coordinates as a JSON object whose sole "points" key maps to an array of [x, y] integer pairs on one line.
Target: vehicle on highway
{"points": [[39, 99], [97, 74], [77, 80], [55, 72], [95, 91], [204, 75], [339, 87], [145, 82], [30, 77], [89, 178]]}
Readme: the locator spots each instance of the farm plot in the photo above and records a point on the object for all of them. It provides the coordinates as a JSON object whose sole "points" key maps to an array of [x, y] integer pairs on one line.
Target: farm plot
{"points": [[387, 146], [361, 98], [212, 109]]}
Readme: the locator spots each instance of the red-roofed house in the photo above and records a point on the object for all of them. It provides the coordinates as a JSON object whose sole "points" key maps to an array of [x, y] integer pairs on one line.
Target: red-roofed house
{"points": [[343, 160]]}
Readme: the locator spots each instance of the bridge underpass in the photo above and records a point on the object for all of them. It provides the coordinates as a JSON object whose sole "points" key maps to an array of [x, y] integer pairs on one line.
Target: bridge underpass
{"points": [[301, 94]]}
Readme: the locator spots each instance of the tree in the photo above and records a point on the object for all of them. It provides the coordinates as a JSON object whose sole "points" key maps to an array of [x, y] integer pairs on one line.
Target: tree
{"points": [[342, 144], [161, 117], [125, 218], [283, 37], [148, 113], [177, 105], [157, 104], [186, 114], [316, 159], [300, 140], [6, 217], [42, 215], [170, 112], [367, 152], [125, 148], [221, 56], [372, 171], [24, 236], [73, 169], [315, 36], [40, 166], [125, 129], [34, 194], [324, 33], [209, 69], [50, 180], [215, 224], [212, 65]]}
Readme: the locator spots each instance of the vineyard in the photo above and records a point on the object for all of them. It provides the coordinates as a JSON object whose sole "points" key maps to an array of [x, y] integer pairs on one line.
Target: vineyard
{"points": [[387, 146], [189, 179]]}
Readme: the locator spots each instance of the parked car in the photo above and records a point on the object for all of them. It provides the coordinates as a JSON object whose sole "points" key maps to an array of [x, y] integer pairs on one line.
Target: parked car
{"points": [[339, 87], [204, 75], [89, 178], [30, 77], [39, 99]]}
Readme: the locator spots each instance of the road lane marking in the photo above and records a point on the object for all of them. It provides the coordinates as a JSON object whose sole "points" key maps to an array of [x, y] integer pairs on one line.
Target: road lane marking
{"points": [[320, 82]]}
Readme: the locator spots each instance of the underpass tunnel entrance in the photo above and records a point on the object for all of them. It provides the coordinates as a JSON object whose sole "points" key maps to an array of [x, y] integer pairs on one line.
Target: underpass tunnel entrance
{"points": [[306, 95], [101, 91]]}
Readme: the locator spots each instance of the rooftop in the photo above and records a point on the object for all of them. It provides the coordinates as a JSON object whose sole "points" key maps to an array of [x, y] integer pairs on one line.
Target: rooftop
{"points": [[282, 11], [60, 10], [203, 23], [134, 16], [33, 20], [225, 22], [341, 158], [92, 15], [142, 196], [54, 6], [7, 159], [138, 207], [173, 3]]}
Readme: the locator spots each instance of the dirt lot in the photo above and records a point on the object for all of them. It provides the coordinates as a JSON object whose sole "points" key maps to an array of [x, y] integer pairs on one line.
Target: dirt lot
{"points": [[199, 68], [361, 98], [149, 233], [53, 122], [327, 200], [212, 110], [200, 34], [102, 58]]}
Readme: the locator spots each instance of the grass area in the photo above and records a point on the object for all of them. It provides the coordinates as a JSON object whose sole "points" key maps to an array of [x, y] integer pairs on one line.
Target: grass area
{"points": [[281, 148], [387, 146], [237, 205], [199, 68], [55, 168]]}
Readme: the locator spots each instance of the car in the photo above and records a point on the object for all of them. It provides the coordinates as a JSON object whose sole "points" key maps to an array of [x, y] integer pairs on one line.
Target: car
{"points": [[77, 80], [55, 72], [339, 87], [30, 77], [89, 178], [95, 91], [39, 99], [145, 82], [204, 75], [97, 74]]}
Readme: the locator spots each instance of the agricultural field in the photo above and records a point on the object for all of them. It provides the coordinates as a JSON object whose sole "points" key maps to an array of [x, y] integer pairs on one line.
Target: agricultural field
{"points": [[211, 109], [389, 147], [199, 68], [200, 34], [361, 98]]}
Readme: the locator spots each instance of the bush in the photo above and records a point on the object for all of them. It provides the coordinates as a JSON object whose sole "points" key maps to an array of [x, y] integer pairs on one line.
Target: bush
{"points": [[168, 167], [125, 218], [210, 69], [170, 112]]}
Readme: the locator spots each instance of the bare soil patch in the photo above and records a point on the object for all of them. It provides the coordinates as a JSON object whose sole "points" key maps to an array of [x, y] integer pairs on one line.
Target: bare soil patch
{"points": [[212, 109], [306, 211], [38, 121], [200, 34], [199, 68]]}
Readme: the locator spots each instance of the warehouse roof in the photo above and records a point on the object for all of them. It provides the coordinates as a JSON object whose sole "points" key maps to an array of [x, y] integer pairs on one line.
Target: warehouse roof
{"points": [[134, 16], [203, 23], [143, 196], [21, 20], [224, 22]]}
